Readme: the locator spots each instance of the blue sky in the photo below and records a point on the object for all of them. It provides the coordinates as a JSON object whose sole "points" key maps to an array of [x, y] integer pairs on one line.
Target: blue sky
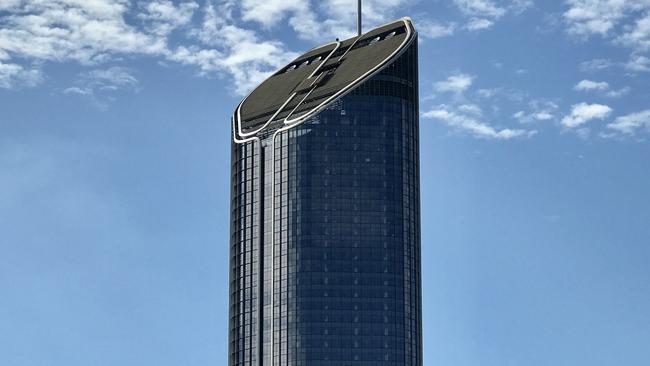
{"points": [[114, 174]]}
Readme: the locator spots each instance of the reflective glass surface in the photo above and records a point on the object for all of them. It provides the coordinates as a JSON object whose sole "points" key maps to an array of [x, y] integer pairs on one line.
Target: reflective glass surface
{"points": [[340, 275]]}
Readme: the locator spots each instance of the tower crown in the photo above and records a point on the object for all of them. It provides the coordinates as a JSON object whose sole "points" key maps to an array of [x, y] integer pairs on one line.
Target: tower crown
{"points": [[315, 79]]}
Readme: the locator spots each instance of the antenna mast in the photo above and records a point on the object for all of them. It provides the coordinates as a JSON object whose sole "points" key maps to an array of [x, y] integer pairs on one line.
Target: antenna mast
{"points": [[359, 31]]}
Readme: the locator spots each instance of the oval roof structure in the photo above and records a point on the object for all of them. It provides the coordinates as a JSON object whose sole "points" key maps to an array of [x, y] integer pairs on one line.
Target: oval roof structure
{"points": [[317, 78]]}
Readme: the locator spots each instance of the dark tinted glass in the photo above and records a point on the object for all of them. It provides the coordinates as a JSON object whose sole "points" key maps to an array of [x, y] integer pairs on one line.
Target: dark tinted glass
{"points": [[340, 277]]}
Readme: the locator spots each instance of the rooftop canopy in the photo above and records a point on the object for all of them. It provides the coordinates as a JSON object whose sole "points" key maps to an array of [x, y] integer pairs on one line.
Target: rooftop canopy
{"points": [[314, 80]]}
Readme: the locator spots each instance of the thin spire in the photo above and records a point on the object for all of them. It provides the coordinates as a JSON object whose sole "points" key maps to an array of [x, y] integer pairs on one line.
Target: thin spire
{"points": [[359, 27]]}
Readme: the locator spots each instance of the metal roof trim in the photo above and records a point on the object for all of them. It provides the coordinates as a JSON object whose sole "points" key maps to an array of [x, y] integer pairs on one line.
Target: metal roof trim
{"points": [[240, 136]]}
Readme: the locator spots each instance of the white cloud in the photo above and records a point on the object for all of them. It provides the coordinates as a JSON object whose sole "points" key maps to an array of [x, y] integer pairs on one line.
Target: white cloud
{"points": [[374, 11], [524, 117], [543, 116], [601, 86], [455, 83], [485, 8], [98, 31], [12, 75], [473, 126], [95, 32], [77, 90], [510, 94], [487, 93], [631, 123], [586, 17], [97, 85], [539, 110], [249, 59], [470, 109], [595, 65], [482, 14], [322, 20], [518, 6], [588, 85], [582, 113], [476, 24], [618, 93], [432, 30], [583, 132], [638, 63], [623, 22], [271, 12], [638, 36], [82, 31], [236, 51], [112, 78], [627, 22], [162, 16]]}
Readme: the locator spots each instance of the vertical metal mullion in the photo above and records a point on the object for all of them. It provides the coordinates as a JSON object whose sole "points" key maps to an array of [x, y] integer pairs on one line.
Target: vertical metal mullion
{"points": [[260, 257]]}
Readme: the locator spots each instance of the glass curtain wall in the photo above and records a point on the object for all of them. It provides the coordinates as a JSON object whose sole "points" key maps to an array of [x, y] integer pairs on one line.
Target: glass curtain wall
{"points": [[341, 248]]}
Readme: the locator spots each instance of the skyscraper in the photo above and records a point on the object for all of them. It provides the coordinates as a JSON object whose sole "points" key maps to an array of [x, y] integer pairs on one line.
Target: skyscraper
{"points": [[325, 216]]}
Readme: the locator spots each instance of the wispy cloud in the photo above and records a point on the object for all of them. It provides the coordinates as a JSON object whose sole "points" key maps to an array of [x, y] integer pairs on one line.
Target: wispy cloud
{"points": [[465, 116], [272, 12], [635, 64], [100, 31], [96, 32], [320, 20], [163, 16], [431, 30], [582, 113], [588, 85], [485, 8], [524, 117], [476, 24], [510, 94], [590, 17], [638, 35], [638, 63], [602, 87], [618, 93], [624, 22], [98, 85], [236, 51], [482, 14], [538, 110], [594, 65], [632, 123], [457, 83], [471, 109], [12, 75], [86, 32], [465, 122]]}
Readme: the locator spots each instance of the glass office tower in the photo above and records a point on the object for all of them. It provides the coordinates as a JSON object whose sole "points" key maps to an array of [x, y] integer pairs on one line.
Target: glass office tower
{"points": [[325, 216]]}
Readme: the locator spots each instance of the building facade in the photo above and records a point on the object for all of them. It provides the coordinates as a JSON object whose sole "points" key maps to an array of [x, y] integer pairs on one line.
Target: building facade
{"points": [[325, 216]]}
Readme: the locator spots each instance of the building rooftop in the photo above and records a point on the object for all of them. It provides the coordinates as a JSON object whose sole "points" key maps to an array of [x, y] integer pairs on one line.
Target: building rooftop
{"points": [[320, 76]]}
